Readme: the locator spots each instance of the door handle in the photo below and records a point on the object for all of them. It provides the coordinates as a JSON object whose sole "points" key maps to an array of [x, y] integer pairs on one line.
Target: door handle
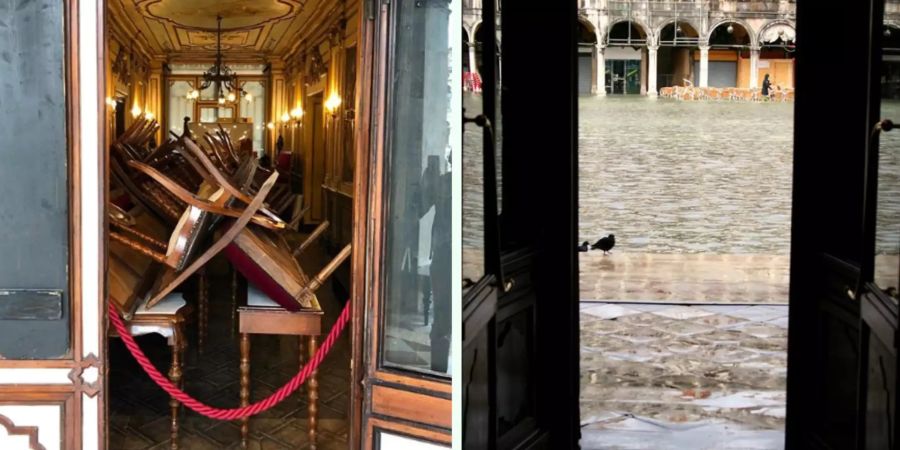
{"points": [[882, 125]]}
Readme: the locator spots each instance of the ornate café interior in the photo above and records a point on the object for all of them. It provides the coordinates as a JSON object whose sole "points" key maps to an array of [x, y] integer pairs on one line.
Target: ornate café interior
{"points": [[229, 112], [233, 132]]}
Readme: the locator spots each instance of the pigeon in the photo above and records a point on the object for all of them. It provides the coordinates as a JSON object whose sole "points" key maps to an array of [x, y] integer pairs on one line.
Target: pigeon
{"points": [[584, 246], [606, 244]]}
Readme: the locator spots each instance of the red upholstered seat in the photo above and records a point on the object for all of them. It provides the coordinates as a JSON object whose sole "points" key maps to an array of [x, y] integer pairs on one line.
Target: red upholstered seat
{"points": [[283, 162], [264, 259]]}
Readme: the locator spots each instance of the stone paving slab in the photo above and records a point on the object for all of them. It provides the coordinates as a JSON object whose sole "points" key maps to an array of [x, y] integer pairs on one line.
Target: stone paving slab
{"points": [[675, 376]]}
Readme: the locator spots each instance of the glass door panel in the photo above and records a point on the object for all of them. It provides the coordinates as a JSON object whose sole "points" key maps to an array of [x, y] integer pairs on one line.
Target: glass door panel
{"points": [[417, 293]]}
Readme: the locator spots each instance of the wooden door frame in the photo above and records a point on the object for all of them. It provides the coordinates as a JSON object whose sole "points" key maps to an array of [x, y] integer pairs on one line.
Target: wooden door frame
{"points": [[372, 384], [75, 383]]}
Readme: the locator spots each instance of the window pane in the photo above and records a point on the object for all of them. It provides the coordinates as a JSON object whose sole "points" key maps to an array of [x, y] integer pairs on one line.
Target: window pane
{"points": [[180, 106], [417, 260], [473, 194], [887, 225], [254, 108], [34, 294]]}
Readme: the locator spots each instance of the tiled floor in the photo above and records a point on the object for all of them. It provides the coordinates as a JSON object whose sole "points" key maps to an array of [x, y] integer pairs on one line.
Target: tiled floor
{"points": [[666, 376], [139, 411]]}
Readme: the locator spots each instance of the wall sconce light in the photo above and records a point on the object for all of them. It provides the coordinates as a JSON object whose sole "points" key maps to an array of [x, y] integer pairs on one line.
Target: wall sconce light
{"points": [[332, 104], [285, 117], [111, 102], [149, 115], [135, 111], [193, 95], [270, 126], [297, 113]]}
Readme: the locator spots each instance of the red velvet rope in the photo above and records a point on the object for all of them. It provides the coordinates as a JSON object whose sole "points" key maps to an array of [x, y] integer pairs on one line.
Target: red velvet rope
{"points": [[233, 413]]}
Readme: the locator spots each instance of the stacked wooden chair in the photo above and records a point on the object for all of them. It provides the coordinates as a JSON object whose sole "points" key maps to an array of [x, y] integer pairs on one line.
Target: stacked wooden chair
{"points": [[179, 205]]}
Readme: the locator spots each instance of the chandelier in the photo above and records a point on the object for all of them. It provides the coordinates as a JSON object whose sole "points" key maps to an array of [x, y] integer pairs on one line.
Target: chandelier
{"points": [[224, 80]]}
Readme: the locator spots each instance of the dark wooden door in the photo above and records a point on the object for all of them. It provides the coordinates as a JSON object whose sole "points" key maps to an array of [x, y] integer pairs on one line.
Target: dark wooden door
{"points": [[880, 268], [520, 316], [842, 347]]}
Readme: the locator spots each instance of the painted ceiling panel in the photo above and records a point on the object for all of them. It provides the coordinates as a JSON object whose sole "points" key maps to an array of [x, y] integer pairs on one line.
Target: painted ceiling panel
{"points": [[183, 27]]}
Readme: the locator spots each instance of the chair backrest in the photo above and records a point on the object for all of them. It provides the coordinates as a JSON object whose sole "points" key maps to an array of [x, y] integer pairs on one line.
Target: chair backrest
{"points": [[131, 274]]}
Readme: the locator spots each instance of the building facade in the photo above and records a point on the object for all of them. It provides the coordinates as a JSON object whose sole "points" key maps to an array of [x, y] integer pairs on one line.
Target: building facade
{"points": [[640, 46]]}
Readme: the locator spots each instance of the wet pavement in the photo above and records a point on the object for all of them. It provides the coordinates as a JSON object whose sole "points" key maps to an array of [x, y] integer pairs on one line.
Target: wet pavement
{"points": [[675, 376], [693, 277]]}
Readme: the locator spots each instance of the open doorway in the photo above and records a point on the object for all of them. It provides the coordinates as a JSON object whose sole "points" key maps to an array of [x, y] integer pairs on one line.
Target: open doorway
{"points": [[224, 259], [684, 236]]}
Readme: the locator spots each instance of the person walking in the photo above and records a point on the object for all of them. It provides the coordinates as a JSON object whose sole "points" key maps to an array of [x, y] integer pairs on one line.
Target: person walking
{"points": [[766, 86]]}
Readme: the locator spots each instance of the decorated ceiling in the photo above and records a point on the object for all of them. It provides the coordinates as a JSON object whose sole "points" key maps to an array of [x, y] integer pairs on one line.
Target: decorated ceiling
{"points": [[251, 28]]}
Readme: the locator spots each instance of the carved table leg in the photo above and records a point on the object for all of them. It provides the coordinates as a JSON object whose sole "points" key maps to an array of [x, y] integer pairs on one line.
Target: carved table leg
{"points": [[203, 312], [234, 301], [175, 377], [313, 392], [245, 387], [303, 360]]}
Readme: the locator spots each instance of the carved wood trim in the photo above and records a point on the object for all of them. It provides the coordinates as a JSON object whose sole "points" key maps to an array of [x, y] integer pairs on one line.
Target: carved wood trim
{"points": [[91, 389], [13, 430]]}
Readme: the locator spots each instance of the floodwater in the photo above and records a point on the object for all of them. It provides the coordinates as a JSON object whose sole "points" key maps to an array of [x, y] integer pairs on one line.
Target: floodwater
{"points": [[684, 186], [668, 176]]}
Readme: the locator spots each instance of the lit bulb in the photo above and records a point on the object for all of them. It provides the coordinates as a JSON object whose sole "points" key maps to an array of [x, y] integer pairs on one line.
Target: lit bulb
{"points": [[231, 97], [248, 97], [136, 111], [285, 117], [730, 29], [270, 125], [195, 93], [332, 103], [297, 112], [149, 115], [221, 100]]}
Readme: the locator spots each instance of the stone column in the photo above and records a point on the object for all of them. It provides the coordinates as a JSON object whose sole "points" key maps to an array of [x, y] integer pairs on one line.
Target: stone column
{"points": [[472, 62], [754, 68], [601, 70], [651, 70], [704, 66]]}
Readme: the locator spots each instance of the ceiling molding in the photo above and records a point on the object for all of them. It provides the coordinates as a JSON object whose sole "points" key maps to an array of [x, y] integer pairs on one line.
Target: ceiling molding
{"points": [[253, 30], [237, 15]]}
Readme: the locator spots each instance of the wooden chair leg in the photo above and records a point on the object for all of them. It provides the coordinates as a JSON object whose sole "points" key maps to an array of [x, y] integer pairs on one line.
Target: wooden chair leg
{"points": [[245, 387], [313, 388], [175, 377]]}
